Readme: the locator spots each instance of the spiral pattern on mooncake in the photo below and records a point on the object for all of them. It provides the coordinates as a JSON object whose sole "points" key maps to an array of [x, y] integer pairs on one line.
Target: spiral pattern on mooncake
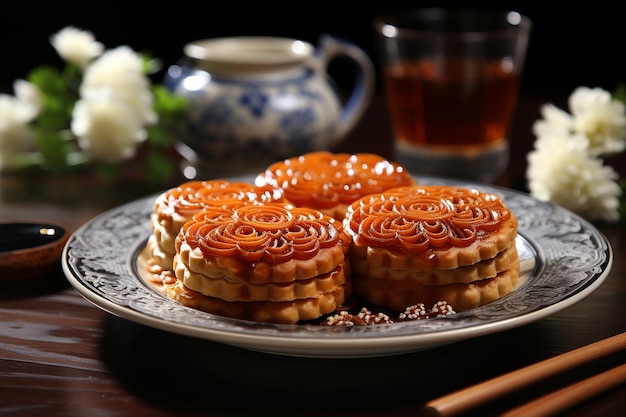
{"points": [[193, 196], [176, 206], [424, 244], [418, 219], [329, 182], [274, 261], [270, 233]]}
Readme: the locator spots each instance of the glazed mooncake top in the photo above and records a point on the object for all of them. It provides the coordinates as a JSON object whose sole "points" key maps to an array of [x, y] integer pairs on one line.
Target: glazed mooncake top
{"points": [[433, 220], [192, 196], [331, 181]]}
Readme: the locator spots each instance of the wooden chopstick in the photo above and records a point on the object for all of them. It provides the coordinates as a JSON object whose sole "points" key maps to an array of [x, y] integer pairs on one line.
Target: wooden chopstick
{"points": [[566, 397], [467, 398]]}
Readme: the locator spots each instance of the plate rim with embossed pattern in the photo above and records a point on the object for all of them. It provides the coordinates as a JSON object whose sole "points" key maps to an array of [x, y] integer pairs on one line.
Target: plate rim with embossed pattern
{"points": [[564, 259]]}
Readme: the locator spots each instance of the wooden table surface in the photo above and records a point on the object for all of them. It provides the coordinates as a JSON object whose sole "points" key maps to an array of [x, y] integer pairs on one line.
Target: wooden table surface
{"points": [[62, 356]]}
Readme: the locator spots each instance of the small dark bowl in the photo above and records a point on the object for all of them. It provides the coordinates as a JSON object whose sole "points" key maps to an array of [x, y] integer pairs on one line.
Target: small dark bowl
{"points": [[30, 249]]}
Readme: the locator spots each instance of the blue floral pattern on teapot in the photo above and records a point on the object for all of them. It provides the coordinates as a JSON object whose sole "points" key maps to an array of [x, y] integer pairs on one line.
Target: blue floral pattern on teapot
{"points": [[256, 100]]}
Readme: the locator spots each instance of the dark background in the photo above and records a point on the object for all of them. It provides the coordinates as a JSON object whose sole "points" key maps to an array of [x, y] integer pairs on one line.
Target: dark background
{"points": [[571, 44]]}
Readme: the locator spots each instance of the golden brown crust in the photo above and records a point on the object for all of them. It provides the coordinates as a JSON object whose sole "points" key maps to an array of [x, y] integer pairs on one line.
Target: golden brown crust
{"points": [[425, 244], [272, 291], [397, 294], [286, 258], [235, 270], [176, 206], [272, 263], [487, 268], [441, 227], [282, 312], [158, 256], [262, 244]]}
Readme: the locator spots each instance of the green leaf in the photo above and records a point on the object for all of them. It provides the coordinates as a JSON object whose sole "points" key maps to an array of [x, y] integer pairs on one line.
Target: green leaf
{"points": [[620, 93], [58, 149], [169, 104], [158, 168], [159, 136], [54, 149], [108, 170], [171, 109], [48, 79]]}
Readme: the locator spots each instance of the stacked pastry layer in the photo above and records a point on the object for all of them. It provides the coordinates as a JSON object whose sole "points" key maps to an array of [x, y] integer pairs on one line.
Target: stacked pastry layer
{"points": [[313, 229], [176, 206], [330, 182], [271, 263], [424, 244]]}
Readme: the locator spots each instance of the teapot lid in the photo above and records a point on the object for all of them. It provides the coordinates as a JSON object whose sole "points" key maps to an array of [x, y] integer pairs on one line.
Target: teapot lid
{"points": [[248, 53]]}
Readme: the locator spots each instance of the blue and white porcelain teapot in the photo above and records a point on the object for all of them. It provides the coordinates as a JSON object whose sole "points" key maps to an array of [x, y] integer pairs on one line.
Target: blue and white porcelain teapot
{"points": [[257, 100]]}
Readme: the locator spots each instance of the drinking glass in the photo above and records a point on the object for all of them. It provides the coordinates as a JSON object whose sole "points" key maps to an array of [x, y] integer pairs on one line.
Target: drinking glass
{"points": [[451, 80]]}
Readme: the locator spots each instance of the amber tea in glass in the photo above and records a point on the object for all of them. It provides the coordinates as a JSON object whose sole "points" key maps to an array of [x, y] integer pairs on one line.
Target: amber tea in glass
{"points": [[451, 80]]}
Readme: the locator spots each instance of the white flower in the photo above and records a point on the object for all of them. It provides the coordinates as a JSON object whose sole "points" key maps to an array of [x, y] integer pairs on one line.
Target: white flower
{"points": [[121, 71], [600, 118], [16, 135], [566, 166], [115, 106], [76, 46], [30, 99], [594, 114], [107, 127], [555, 121], [16, 113], [562, 171]]}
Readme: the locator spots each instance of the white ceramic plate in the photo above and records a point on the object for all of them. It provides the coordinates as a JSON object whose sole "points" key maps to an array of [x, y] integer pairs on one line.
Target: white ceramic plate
{"points": [[563, 258]]}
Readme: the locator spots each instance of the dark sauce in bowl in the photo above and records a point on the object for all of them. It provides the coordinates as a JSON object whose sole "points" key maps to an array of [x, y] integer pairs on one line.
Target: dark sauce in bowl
{"points": [[17, 236], [29, 249]]}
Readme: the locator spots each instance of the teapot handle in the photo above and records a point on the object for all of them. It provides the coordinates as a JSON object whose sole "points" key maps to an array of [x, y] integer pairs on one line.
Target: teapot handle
{"points": [[331, 47]]}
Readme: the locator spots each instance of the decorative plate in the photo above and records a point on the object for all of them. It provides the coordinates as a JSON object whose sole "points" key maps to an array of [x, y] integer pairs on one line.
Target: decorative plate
{"points": [[563, 260]]}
